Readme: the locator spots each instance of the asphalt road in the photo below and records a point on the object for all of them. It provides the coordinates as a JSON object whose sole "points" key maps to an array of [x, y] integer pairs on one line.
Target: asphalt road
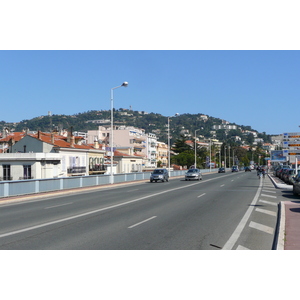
{"points": [[222, 211]]}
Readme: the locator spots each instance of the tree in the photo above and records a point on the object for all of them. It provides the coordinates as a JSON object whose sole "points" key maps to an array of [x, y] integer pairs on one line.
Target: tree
{"points": [[186, 158], [181, 145]]}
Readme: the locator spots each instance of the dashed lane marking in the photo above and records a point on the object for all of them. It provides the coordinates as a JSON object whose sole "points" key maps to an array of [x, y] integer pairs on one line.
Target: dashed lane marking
{"points": [[201, 195], [142, 222]]}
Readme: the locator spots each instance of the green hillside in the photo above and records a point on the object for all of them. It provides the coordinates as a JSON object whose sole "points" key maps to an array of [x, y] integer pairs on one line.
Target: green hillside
{"points": [[151, 122]]}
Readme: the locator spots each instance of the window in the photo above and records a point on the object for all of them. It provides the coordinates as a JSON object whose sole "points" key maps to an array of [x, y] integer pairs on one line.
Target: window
{"points": [[27, 171], [6, 172]]}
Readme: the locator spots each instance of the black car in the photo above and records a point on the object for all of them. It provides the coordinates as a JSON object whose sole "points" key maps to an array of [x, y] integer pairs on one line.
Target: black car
{"points": [[234, 169], [247, 169], [221, 170]]}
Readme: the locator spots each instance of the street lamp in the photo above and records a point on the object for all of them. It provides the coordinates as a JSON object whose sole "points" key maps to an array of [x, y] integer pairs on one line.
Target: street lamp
{"points": [[125, 84], [209, 154], [225, 157], [169, 160], [195, 148]]}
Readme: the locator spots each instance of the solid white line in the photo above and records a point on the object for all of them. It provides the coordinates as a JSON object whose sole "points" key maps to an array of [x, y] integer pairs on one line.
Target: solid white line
{"points": [[264, 195], [236, 234], [268, 212], [58, 205], [201, 195], [261, 227], [268, 202], [142, 222]]}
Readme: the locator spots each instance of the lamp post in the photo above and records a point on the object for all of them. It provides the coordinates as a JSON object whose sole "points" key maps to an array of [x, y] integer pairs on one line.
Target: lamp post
{"points": [[125, 84], [209, 154], [225, 157], [169, 158], [195, 149], [229, 156]]}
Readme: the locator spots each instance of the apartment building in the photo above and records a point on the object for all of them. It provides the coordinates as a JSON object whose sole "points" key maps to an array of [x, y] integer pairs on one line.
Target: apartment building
{"points": [[127, 137], [162, 154]]}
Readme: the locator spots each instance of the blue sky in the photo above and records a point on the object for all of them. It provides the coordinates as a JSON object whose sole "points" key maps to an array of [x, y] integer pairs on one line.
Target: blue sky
{"points": [[225, 59], [256, 88]]}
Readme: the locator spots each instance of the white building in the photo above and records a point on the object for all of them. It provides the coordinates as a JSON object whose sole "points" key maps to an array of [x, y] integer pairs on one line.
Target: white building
{"points": [[127, 137]]}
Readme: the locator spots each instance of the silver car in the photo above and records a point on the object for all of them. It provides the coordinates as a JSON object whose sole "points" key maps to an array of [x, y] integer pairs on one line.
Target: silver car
{"points": [[159, 175], [193, 174]]}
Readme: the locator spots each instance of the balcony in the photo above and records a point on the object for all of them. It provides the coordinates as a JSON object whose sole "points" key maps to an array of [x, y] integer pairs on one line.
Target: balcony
{"points": [[26, 178], [5, 178], [76, 170]]}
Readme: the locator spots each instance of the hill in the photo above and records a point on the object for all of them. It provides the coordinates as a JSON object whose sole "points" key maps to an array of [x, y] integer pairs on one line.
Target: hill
{"points": [[151, 122]]}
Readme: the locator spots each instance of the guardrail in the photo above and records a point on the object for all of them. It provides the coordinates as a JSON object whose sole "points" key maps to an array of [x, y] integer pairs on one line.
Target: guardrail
{"points": [[34, 186]]}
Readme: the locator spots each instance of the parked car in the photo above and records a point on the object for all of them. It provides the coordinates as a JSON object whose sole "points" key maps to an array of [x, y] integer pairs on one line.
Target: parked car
{"points": [[287, 175], [159, 174], [292, 178], [296, 185], [234, 169], [282, 172], [193, 174], [221, 170], [247, 169]]}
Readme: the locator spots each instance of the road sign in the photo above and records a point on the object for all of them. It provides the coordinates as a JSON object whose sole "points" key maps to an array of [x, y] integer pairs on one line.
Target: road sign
{"points": [[291, 135], [291, 144]]}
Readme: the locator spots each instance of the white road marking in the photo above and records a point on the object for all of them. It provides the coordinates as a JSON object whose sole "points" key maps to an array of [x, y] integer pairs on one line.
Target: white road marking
{"points": [[58, 205], [266, 191], [222, 185], [236, 234], [268, 202], [270, 196], [265, 211], [142, 222], [239, 247], [201, 195], [261, 227]]}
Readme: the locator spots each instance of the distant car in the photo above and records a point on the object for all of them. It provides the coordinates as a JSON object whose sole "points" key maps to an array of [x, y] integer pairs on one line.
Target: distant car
{"points": [[234, 169], [221, 170], [159, 174], [247, 169], [193, 174]]}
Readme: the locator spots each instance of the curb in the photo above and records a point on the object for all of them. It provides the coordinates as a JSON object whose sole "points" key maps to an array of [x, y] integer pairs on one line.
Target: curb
{"points": [[280, 236]]}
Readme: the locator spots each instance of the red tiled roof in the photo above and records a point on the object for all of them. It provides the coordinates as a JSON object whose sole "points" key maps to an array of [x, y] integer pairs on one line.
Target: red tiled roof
{"points": [[16, 136]]}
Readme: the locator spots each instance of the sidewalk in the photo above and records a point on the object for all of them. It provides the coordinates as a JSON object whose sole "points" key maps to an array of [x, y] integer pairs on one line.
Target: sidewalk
{"points": [[288, 233]]}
